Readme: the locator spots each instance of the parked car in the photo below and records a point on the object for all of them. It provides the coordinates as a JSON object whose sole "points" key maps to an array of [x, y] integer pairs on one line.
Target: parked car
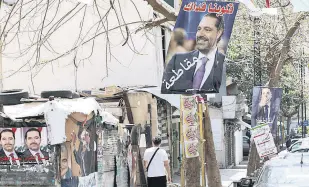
{"points": [[288, 172], [299, 144], [304, 142], [294, 140], [246, 145], [301, 150]]}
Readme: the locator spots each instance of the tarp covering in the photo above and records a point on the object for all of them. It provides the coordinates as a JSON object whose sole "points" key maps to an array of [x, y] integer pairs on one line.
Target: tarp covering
{"points": [[57, 111]]}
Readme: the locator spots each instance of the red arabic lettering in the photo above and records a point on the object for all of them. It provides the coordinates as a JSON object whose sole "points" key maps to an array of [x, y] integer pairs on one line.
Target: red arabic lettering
{"points": [[4, 159], [220, 10], [32, 158], [7, 159], [192, 6]]}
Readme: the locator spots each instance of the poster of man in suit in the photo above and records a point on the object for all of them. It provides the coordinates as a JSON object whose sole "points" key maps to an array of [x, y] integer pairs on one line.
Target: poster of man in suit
{"points": [[29, 144], [83, 139], [34, 153], [8, 155], [199, 67], [25, 155], [265, 107]]}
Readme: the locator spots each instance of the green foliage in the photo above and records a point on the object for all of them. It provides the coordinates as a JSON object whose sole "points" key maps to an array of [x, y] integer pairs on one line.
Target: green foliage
{"points": [[273, 30]]}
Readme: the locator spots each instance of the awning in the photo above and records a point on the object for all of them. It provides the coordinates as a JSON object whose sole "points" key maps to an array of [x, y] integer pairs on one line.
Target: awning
{"points": [[173, 99]]}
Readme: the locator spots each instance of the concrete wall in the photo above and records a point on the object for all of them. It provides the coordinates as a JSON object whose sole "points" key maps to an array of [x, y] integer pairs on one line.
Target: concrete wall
{"points": [[139, 62], [216, 117]]}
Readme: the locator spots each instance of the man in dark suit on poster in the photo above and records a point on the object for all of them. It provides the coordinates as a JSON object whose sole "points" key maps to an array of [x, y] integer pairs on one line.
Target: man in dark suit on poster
{"points": [[200, 69], [8, 156], [85, 153], [266, 108], [34, 154]]}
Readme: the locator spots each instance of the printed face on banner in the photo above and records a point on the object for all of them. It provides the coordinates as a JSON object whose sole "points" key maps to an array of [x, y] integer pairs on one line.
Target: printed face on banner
{"points": [[79, 153], [25, 144], [196, 53], [265, 107], [25, 149]]}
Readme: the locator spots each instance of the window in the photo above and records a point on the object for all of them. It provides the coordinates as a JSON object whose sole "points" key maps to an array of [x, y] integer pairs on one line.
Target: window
{"points": [[295, 146], [170, 2]]}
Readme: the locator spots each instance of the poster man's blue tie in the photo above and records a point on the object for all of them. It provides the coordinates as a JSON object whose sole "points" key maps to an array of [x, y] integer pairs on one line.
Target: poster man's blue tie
{"points": [[199, 75]]}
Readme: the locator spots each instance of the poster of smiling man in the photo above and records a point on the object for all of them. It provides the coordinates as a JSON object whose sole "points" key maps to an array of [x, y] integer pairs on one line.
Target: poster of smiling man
{"points": [[25, 157], [265, 107], [196, 53]]}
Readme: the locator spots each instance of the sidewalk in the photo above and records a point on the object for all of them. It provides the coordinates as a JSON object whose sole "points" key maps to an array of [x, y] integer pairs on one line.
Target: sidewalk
{"points": [[227, 175]]}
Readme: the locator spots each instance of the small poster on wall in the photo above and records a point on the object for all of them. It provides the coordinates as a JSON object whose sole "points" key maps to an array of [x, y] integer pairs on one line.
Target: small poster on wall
{"points": [[25, 158]]}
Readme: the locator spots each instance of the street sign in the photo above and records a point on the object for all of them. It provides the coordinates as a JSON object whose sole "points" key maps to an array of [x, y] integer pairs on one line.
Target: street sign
{"points": [[306, 123]]}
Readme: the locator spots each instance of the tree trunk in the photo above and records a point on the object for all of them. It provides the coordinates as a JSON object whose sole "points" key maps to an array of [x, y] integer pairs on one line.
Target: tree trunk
{"points": [[212, 169], [193, 172], [288, 125], [254, 159]]}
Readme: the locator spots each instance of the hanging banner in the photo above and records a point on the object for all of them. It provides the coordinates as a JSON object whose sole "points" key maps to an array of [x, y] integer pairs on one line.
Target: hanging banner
{"points": [[190, 125], [264, 141], [25, 158], [79, 154], [265, 107], [196, 53]]}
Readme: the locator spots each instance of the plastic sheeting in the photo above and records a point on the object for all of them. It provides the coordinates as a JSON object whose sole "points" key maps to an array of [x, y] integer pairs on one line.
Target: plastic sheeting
{"points": [[56, 112]]}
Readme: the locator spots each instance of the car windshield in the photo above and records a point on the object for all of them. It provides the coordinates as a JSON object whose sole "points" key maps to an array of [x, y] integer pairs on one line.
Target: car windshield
{"points": [[294, 175]]}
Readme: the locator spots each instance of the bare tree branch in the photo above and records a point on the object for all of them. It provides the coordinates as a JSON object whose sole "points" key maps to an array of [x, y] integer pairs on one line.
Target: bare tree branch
{"points": [[275, 73]]}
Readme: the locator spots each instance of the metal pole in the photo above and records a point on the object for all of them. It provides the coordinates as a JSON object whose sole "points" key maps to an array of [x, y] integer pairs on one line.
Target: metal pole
{"points": [[302, 97], [257, 66], [281, 126]]}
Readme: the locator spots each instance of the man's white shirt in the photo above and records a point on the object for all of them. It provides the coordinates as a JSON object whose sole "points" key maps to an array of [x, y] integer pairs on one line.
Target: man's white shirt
{"points": [[8, 154], [35, 156], [156, 167], [211, 56]]}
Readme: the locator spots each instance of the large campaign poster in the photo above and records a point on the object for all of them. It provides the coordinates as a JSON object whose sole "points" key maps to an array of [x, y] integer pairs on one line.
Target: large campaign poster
{"points": [[25, 157], [195, 61], [265, 107], [79, 154]]}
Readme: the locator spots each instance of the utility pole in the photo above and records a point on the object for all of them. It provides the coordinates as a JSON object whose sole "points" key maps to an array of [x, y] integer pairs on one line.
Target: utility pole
{"points": [[254, 158], [302, 97], [257, 66], [305, 103]]}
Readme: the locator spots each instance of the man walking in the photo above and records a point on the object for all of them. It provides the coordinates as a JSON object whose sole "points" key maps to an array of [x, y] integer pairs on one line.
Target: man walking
{"points": [[155, 162]]}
